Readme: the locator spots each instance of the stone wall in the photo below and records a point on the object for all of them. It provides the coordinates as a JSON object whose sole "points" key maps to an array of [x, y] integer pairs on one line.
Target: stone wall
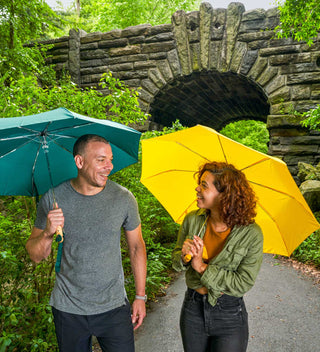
{"points": [[210, 66]]}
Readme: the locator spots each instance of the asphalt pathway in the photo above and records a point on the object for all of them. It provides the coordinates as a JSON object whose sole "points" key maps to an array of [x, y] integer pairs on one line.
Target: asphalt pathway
{"points": [[283, 307]]}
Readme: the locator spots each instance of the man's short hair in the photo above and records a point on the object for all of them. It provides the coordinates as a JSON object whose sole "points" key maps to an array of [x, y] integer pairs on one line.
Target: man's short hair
{"points": [[81, 143]]}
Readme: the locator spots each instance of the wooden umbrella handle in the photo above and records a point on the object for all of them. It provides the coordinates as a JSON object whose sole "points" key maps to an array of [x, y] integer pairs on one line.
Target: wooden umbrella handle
{"points": [[59, 234]]}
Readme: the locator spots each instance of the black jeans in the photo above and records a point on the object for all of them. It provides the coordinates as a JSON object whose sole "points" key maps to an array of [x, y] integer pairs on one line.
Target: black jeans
{"points": [[113, 329], [219, 328]]}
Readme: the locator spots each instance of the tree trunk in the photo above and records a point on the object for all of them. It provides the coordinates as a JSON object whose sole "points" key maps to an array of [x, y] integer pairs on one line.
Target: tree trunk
{"points": [[78, 8], [11, 26]]}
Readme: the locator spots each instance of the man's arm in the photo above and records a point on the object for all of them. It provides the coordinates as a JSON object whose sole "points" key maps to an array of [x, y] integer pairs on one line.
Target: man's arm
{"points": [[40, 241], [138, 260]]}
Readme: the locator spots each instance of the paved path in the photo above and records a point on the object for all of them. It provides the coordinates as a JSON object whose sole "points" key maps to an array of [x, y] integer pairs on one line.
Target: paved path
{"points": [[283, 307]]}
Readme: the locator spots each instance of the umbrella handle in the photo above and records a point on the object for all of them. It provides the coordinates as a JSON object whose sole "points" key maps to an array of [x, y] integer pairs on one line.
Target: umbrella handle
{"points": [[188, 256], [59, 235]]}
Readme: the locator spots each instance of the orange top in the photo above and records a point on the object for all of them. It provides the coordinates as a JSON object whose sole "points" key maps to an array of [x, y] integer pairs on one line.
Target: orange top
{"points": [[214, 241]]}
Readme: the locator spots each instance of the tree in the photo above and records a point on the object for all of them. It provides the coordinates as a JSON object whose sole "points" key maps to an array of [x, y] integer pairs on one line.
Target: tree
{"points": [[20, 22], [299, 19], [105, 15]]}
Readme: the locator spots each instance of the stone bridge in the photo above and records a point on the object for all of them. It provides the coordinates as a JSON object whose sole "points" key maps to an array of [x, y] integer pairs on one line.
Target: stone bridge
{"points": [[210, 67]]}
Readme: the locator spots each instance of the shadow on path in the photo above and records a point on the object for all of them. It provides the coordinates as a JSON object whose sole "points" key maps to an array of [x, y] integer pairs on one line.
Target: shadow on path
{"points": [[283, 307]]}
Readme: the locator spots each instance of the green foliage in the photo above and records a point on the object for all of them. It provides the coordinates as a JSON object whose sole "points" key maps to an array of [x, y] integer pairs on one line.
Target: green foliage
{"points": [[253, 134], [102, 15], [125, 13], [121, 102], [299, 19], [25, 97], [309, 250], [21, 22], [24, 311], [312, 119]]}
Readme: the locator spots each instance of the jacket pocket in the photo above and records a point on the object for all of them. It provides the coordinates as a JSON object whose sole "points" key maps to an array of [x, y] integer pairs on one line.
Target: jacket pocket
{"points": [[234, 257]]}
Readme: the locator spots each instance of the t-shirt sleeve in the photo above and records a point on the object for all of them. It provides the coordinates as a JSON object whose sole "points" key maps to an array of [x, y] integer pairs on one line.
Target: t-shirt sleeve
{"points": [[132, 220]]}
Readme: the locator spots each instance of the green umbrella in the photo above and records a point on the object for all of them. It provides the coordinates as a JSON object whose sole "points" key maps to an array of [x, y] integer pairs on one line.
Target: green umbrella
{"points": [[36, 151]]}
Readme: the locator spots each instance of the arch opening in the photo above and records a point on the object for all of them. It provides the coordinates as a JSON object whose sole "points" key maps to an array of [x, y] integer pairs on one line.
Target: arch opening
{"points": [[209, 98]]}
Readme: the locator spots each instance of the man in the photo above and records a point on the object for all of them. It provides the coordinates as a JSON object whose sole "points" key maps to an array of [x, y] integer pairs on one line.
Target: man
{"points": [[89, 296]]}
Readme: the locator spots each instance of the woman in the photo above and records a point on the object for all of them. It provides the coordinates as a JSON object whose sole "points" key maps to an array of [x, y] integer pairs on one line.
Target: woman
{"points": [[225, 247]]}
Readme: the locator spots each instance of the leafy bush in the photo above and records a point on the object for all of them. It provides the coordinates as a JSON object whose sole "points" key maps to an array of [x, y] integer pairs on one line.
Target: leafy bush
{"points": [[309, 250], [312, 118], [253, 134], [25, 97], [24, 311]]}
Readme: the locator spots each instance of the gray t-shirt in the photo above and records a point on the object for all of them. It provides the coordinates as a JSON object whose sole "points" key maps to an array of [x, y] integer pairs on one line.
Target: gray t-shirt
{"points": [[91, 279]]}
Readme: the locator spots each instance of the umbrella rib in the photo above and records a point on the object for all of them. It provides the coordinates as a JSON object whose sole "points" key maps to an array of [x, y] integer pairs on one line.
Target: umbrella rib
{"points": [[71, 127], [19, 147], [221, 146], [256, 163], [272, 189], [17, 137], [167, 171], [33, 169], [281, 192], [35, 133], [185, 211], [192, 151], [274, 221], [60, 145]]}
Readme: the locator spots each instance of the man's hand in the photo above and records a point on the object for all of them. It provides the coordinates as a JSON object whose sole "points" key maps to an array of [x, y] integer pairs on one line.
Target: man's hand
{"points": [[55, 218], [138, 313], [40, 241]]}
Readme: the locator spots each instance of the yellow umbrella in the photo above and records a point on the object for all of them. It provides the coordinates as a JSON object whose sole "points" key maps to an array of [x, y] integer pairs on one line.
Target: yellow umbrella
{"points": [[170, 161]]}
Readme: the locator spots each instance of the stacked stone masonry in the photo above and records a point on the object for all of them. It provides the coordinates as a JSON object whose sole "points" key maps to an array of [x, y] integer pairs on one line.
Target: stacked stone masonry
{"points": [[211, 66]]}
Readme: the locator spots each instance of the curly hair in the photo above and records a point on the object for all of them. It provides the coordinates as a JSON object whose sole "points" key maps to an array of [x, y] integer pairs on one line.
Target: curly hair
{"points": [[238, 200]]}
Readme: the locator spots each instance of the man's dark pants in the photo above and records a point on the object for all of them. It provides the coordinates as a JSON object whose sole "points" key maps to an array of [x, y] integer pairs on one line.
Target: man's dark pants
{"points": [[113, 329]]}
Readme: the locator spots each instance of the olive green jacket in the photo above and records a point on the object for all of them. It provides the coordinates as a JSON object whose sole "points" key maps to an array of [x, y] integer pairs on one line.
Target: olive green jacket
{"points": [[234, 270]]}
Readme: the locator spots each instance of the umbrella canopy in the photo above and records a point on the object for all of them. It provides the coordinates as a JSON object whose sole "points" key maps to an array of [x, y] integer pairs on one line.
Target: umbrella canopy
{"points": [[28, 144], [170, 161]]}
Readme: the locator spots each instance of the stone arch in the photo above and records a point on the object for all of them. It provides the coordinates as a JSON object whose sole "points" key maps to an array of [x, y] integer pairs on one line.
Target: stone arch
{"points": [[207, 48], [270, 77]]}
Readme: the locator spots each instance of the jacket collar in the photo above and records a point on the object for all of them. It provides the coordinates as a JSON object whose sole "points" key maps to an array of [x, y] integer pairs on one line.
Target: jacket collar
{"points": [[202, 212]]}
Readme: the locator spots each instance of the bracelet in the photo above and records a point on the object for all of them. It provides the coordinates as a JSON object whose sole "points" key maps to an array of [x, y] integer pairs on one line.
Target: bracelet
{"points": [[143, 298]]}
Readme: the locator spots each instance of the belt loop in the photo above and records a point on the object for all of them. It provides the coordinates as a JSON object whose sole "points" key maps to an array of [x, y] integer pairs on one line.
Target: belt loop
{"points": [[192, 294]]}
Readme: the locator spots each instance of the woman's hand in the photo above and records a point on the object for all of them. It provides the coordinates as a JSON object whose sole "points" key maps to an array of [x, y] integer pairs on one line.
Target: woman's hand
{"points": [[197, 251], [186, 248]]}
